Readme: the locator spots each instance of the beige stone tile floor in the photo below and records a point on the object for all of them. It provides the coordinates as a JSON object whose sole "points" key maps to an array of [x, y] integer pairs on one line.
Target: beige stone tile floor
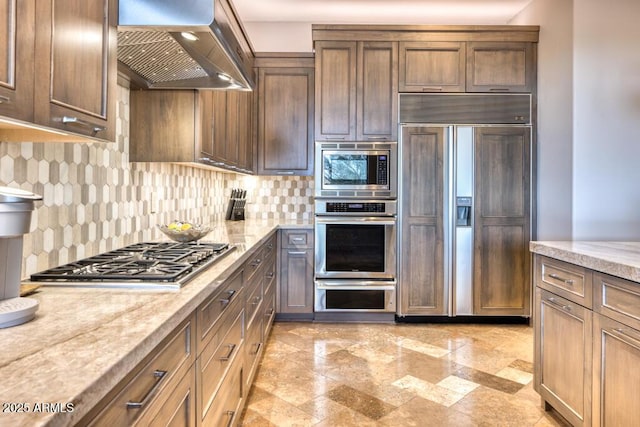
{"points": [[341, 375]]}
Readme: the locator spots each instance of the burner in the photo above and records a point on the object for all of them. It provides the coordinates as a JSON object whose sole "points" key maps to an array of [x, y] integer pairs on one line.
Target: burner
{"points": [[156, 262]]}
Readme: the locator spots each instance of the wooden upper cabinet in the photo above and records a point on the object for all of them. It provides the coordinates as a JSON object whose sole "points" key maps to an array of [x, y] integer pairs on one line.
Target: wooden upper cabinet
{"points": [[377, 91], [225, 120], [500, 67], [75, 66], [285, 120], [335, 91], [356, 93], [16, 54], [432, 66]]}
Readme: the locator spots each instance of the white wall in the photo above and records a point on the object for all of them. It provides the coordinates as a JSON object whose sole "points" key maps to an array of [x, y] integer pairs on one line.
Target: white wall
{"points": [[606, 195], [555, 106], [280, 36]]}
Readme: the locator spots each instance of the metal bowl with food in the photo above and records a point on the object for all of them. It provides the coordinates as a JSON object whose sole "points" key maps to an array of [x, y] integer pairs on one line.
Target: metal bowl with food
{"points": [[184, 231]]}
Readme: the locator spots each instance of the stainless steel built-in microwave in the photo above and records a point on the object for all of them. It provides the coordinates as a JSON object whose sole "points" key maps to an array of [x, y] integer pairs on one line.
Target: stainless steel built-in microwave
{"points": [[354, 169]]}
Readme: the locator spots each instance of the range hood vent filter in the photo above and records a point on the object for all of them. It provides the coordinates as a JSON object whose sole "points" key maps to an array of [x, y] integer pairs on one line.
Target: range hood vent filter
{"points": [[156, 56]]}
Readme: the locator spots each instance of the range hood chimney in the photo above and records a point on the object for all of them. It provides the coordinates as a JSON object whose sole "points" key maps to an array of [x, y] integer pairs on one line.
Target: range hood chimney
{"points": [[184, 44]]}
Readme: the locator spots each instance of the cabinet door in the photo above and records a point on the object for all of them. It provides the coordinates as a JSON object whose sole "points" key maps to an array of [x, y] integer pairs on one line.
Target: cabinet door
{"points": [[563, 356], [16, 52], [296, 281], [500, 67], [616, 377], [422, 287], [162, 125], [335, 91], [432, 67], [76, 68], [377, 91], [502, 221], [285, 121], [244, 160]]}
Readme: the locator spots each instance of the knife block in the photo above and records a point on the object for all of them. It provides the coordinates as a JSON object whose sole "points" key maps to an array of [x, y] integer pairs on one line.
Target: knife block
{"points": [[237, 213]]}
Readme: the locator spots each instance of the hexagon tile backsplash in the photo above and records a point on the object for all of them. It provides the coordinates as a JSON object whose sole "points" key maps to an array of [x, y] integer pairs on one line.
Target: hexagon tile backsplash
{"points": [[95, 200]]}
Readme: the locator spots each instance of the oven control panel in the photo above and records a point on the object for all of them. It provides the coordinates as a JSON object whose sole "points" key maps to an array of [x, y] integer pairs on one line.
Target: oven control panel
{"points": [[366, 207], [340, 207]]}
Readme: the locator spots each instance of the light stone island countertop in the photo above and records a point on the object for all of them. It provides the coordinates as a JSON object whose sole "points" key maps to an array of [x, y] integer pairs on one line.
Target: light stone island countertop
{"points": [[620, 259], [83, 341]]}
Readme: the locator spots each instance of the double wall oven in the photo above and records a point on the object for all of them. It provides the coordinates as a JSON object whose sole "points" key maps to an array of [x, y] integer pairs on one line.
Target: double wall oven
{"points": [[355, 227]]}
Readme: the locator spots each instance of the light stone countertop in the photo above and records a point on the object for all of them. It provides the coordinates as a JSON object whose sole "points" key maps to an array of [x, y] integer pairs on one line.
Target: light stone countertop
{"points": [[83, 341], [620, 259]]}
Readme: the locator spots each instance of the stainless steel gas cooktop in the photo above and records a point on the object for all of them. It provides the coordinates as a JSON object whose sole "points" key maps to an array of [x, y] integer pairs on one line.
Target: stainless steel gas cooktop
{"points": [[160, 265]]}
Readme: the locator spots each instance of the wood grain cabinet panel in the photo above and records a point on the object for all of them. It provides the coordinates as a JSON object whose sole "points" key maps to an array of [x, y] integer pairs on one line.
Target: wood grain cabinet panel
{"points": [[502, 218], [500, 67], [335, 91], [17, 53], [422, 289], [377, 91], [296, 288], [285, 120], [432, 66], [76, 66], [616, 377], [356, 91], [563, 359]]}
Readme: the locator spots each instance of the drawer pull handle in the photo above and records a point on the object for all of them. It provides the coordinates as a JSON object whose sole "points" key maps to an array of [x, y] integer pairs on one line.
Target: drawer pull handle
{"points": [[231, 415], [270, 312], [229, 354], [557, 304], [74, 120], [296, 253], [270, 275], [226, 301], [256, 262], [561, 279], [432, 89], [256, 300], [5, 100], [298, 239], [159, 375], [258, 345]]}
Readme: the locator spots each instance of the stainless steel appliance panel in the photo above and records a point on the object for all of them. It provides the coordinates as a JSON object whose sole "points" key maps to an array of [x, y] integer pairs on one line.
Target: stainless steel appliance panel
{"points": [[355, 247], [364, 170], [355, 296]]}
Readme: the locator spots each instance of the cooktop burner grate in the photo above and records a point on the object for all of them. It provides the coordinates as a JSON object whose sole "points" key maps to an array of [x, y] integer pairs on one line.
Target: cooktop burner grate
{"points": [[156, 262]]}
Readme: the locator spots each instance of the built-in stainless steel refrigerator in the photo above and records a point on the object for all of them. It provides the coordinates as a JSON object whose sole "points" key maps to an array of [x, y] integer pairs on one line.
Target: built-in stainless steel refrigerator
{"points": [[465, 205]]}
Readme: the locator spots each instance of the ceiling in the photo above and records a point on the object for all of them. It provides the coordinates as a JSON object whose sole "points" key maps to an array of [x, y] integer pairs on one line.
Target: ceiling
{"points": [[428, 12]]}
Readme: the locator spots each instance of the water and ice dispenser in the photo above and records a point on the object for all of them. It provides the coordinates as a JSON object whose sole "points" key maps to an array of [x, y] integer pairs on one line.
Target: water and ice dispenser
{"points": [[16, 207], [463, 211]]}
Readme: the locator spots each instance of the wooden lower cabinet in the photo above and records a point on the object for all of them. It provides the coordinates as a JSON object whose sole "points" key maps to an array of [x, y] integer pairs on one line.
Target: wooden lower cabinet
{"points": [[162, 384], [295, 294], [616, 377], [563, 356]]}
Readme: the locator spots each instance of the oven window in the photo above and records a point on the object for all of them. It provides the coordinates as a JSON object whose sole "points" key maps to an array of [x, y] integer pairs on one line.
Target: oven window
{"points": [[354, 299], [355, 248]]}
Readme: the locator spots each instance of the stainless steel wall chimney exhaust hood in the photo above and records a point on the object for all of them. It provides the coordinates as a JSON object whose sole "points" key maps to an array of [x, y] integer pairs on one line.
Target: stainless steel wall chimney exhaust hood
{"points": [[184, 44]]}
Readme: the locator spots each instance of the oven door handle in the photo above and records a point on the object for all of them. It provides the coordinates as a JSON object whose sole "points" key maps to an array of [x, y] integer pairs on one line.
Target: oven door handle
{"points": [[354, 288], [356, 221], [362, 285]]}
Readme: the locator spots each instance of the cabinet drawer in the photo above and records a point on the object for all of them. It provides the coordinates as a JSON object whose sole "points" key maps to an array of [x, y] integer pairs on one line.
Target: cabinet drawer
{"points": [[178, 409], [254, 299], [567, 280], [217, 358], [216, 306], [252, 350], [172, 360], [225, 409], [269, 308], [617, 298], [297, 238]]}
